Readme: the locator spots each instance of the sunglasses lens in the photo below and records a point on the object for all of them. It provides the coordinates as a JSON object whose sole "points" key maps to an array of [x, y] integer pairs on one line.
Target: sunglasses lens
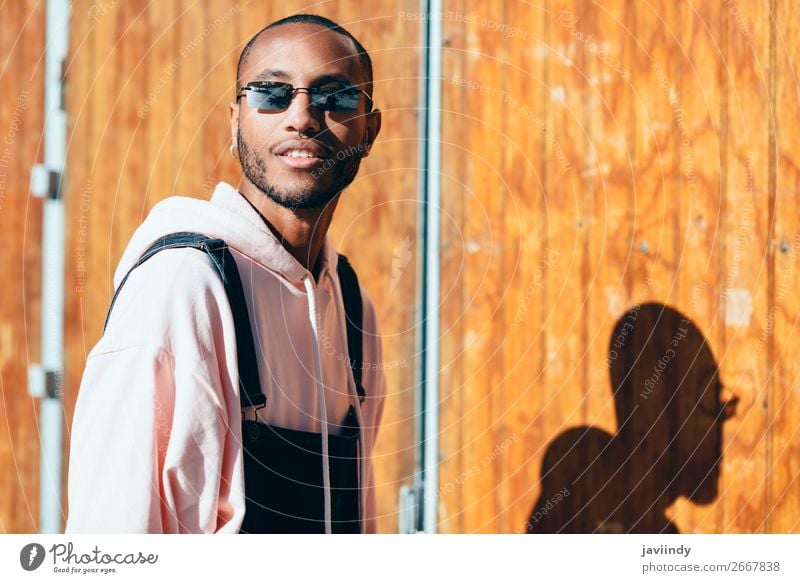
{"points": [[278, 96], [729, 408], [335, 98], [272, 97]]}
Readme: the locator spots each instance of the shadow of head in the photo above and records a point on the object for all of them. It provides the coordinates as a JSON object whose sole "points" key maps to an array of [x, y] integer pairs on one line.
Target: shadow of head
{"points": [[668, 400], [669, 404]]}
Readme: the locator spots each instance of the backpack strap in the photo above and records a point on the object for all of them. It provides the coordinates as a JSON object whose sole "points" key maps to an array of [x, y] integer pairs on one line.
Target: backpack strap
{"points": [[250, 394], [354, 316]]}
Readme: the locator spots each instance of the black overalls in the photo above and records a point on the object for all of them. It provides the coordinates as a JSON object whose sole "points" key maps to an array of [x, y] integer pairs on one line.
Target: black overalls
{"points": [[284, 490]]}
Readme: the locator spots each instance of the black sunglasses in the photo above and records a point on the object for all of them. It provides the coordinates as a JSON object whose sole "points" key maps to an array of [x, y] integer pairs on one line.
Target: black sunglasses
{"points": [[276, 96]]}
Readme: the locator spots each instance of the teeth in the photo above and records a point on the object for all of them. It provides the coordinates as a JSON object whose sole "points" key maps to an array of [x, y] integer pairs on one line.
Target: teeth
{"points": [[299, 154]]}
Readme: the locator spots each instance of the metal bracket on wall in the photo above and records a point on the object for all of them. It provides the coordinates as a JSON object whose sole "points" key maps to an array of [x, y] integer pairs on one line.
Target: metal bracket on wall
{"points": [[45, 182], [45, 384], [407, 510]]}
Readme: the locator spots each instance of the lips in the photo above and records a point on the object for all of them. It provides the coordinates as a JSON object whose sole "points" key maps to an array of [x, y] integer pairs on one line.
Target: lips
{"points": [[303, 154], [303, 149]]}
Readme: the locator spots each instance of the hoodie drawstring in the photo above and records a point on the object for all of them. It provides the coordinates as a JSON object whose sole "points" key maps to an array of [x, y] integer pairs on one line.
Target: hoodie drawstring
{"points": [[326, 471]]}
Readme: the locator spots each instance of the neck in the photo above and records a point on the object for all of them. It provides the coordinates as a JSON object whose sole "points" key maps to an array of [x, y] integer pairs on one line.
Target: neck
{"points": [[301, 231]]}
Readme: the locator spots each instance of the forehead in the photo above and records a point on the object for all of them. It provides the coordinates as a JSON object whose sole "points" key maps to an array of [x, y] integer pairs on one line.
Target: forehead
{"points": [[303, 51]]}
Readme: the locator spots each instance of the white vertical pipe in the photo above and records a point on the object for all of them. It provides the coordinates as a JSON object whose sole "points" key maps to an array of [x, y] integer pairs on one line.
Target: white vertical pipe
{"points": [[51, 413], [432, 200], [55, 124], [52, 343]]}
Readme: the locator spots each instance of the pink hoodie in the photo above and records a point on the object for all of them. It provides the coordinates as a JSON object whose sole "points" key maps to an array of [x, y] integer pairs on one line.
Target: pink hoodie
{"points": [[156, 436]]}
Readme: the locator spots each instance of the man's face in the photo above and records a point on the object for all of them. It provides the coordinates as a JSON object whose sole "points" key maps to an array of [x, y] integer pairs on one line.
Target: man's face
{"points": [[305, 56]]}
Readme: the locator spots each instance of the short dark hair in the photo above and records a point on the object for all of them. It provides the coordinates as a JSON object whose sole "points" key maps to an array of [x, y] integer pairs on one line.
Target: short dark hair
{"points": [[363, 56]]}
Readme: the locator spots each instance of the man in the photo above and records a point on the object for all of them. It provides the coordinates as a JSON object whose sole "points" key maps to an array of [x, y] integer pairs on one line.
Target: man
{"points": [[158, 443]]}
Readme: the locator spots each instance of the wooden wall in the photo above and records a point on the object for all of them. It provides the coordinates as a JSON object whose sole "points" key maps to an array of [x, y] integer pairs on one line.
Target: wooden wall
{"points": [[22, 89], [148, 87], [604, 163], [607, 160]]}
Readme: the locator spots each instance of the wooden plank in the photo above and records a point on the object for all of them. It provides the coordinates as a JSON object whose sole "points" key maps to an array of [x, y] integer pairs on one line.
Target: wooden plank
{"points": [[30, 149], [611, 189], [566, 117], [700, 163], [654, 246], [20, 125], [79, 319], [483, 283], [196, 32], [525, 262], [617, 220], [105, 161], [452, 315], [747, 232], [12, 375], [158, 108], [21, 76], [221, 57], [131, 144], [8, 377], [784, 415]]}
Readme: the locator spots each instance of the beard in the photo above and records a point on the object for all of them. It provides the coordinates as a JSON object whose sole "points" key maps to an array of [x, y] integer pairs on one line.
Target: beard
{"points": [[342, 173]]}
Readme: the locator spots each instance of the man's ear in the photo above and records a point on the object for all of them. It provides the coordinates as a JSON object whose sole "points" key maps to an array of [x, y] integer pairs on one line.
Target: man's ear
{"points": [[372, 131], [234, 111]]}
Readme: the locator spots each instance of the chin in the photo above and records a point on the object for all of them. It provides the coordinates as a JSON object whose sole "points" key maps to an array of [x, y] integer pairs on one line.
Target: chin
{"points": [[707, 490], [301, 184]]}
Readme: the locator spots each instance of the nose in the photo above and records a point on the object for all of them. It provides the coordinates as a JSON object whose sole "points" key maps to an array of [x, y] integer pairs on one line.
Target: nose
{"points": [[301, 116]]}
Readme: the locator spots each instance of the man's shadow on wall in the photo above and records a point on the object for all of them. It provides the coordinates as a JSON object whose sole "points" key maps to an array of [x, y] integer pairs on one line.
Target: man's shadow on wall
{"points": [[667, 396]]}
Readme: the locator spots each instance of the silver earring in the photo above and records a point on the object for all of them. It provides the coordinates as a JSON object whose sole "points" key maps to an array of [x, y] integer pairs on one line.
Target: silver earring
{"points": [[302, 135], [234, 151]]}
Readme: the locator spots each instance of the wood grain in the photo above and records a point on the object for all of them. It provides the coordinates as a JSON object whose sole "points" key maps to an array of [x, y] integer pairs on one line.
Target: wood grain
{"points": [[525, 262], [747, 236], [21, 121], [568, 107], [623, 211], [598, 157], [452, 320], [670, 203], [784, 415], [697, 102]]}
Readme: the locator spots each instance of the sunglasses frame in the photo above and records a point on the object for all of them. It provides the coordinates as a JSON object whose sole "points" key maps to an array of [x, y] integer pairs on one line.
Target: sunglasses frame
{"points": [[255, 85]]}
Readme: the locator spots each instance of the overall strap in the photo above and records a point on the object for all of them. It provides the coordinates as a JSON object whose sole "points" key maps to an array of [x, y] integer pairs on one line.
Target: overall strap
{"points": [[354, 316], [250, 394]]}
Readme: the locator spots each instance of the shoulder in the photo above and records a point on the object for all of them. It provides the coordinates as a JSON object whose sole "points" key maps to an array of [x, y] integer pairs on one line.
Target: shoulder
{"points": [[175, 293]]}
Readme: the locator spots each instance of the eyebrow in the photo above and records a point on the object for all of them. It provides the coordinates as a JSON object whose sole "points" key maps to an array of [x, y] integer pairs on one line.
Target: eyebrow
{"points": [[271, 74], [267, 74]]}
